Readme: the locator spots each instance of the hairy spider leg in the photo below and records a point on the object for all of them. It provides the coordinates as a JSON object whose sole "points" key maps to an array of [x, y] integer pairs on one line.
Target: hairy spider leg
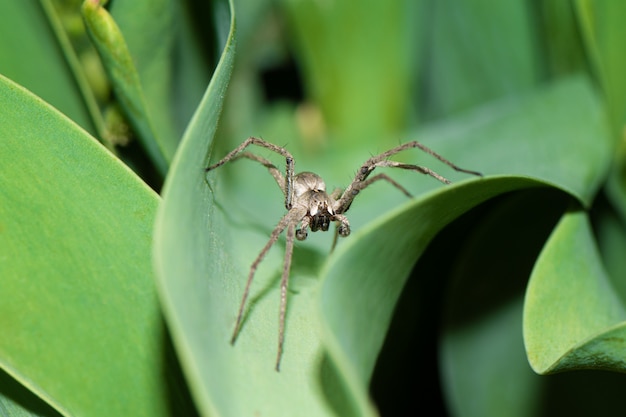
{"points": [[424, 148], [273, 238], [387, 178], [284, 283], [416, 168], [289, 221], [275, 172], [334, 196], [289, 171], [302, 232], [284, 221], [289, 174], [341, 208], [361, 178]]}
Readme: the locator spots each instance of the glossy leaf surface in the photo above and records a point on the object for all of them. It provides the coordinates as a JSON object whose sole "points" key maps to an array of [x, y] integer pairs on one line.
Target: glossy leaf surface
{"points": [[80, 319]]}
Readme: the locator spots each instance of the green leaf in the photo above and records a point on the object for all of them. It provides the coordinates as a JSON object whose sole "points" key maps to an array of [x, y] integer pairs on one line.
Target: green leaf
{"points": [[484, 365], [79, 314], [602, 29], [361, 98], [558, 134], [148, 29], [187, 273], [201, 257], [172, 64], [24, 54], [17, 401], [562, 47], [601, 25], [569, 285], [111, 45], [208, 236], [157, 62], [363, 281], [528, 139], [610, 234], [479, 51]]}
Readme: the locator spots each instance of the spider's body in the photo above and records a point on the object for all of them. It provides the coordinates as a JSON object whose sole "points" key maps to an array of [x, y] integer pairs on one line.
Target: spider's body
{"points": [[311, 207], [319, 209]]}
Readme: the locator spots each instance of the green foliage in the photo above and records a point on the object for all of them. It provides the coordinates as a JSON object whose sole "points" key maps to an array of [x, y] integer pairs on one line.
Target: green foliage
{"points": [[118, 301]]}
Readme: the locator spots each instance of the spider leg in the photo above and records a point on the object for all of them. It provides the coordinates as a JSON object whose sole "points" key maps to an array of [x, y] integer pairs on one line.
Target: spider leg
{"points": [[284, 282], [302, 232], [284, 221], [343, 204], [361, 178], [367, 182], [336, 193], [335, 238], [275, 172], [289, 171], [340, 220], [289, 221], [414, 144], [342, 229], [411, 167]]}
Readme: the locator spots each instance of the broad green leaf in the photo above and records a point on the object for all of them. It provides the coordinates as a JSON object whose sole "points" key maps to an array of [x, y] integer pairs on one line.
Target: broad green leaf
{"points": [[486, 367], [79, 314], [17, 401], [89, 75], [209, 234], [31, 56], [359, 63], [362, 283], [569, 285], [204, 250], [562, 47], [164, 39], [532, 136], [537, 144], [148, 29], [157, 60], [111, 45], [188, 273], [610, 234], [603, 31], [202, 253], [558, 134], [481, 265], [483, 362], [478, 51]]}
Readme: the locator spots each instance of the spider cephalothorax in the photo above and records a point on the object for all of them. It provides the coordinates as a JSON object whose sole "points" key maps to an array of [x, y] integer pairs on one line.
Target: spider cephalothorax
{"points": [[311, 207], [309, 193]]}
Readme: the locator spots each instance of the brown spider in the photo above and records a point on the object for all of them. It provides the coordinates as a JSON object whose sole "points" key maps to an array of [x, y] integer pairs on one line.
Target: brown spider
{"points": [[309, 206]]}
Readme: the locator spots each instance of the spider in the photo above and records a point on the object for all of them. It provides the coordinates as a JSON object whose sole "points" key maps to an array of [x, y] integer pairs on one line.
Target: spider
{"points": [[310, 206]]}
